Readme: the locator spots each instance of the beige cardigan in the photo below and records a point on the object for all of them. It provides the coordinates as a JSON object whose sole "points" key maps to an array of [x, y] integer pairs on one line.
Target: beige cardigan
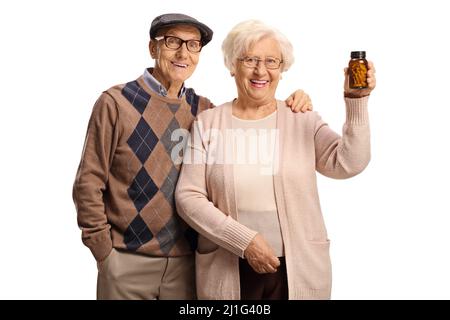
{"points": [[205, 197]]}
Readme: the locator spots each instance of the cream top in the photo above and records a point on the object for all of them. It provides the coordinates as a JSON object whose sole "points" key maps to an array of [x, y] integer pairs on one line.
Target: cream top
{"points": [[254, 144]]}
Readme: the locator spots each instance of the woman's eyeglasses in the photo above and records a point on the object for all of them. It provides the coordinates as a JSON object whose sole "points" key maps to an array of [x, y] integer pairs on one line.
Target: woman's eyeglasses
{"points": [[269, 62]]}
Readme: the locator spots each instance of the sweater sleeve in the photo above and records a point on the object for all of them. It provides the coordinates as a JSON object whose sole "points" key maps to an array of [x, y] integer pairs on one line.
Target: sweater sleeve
{"points": [[92, 176], [194, 206], [344, 157]]}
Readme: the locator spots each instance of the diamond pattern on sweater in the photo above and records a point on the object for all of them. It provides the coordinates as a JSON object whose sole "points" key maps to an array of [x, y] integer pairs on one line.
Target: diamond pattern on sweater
{"points": [[142, 140], [156, 220], [142, 190], [173, 107], [137, 234], [166, 138], [137, 96], [158, 116], [169, 235], [169, 185]]}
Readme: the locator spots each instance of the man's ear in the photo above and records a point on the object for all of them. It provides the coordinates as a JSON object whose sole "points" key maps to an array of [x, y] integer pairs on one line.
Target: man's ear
{"points": [[153, 49]]}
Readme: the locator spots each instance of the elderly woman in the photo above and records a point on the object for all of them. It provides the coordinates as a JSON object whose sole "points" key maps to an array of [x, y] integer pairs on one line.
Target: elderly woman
{"points": [[248, 183]]}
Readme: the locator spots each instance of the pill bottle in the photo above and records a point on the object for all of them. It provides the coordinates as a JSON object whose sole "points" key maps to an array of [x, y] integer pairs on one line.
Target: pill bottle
{"points": [[357, 70]]}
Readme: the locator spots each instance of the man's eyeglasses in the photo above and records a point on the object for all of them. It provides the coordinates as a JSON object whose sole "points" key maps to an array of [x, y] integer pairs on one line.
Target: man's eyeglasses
{"points": [[269, 62], [175, 43]]}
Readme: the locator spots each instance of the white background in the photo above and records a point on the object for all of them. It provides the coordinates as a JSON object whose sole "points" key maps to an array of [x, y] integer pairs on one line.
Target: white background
{"points": [[388, 226]]}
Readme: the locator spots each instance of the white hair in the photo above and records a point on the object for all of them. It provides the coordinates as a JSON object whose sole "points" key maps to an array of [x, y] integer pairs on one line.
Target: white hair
{"points": [[245, 34]]}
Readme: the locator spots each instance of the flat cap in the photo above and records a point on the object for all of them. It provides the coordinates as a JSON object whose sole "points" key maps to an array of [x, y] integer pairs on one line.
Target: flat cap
{"points": [[172, 19]]}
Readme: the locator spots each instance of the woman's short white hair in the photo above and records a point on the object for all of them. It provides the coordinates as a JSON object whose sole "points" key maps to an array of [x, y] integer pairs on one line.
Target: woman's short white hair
{"points": [[245, 34]]}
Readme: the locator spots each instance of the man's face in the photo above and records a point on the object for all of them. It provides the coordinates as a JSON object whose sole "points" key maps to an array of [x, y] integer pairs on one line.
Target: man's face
{"points": [[175, 65]]}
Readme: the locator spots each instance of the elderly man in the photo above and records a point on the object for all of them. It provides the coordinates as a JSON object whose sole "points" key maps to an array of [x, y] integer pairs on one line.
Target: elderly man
{"points": [[124, 188]]}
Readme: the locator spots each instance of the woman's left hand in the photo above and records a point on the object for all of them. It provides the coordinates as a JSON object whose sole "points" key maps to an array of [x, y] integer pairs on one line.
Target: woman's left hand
{"points": [[299, 101]]}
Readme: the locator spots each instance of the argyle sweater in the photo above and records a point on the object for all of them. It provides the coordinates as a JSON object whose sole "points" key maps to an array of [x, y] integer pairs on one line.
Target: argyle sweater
{"points": [[124, 188]]}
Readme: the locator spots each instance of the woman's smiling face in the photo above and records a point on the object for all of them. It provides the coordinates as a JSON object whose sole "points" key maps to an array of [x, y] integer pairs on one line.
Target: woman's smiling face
{"points": [[259, 83]]}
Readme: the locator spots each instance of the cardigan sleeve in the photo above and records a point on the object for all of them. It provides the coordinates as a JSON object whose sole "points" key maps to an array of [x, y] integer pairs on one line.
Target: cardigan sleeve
{"points": [[344, 157], [92, 177], [195, 207]]}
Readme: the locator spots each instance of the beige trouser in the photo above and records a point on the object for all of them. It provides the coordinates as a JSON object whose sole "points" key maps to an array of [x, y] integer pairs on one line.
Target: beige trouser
{"points": [[127, 275]]}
